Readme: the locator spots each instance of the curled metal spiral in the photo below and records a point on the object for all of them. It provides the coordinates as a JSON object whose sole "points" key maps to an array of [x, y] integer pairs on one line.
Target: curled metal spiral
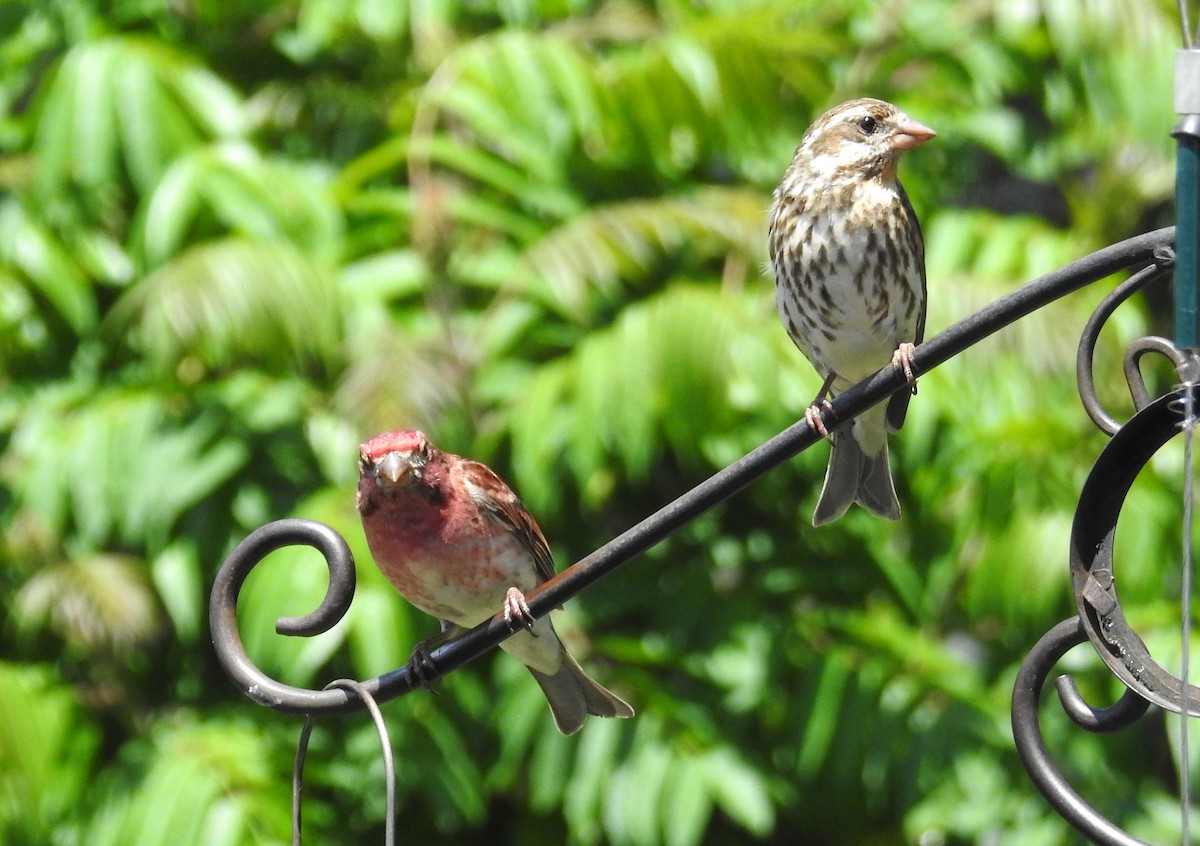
{"points": [[1093, 572], [1164, 260], [1032, 746]]}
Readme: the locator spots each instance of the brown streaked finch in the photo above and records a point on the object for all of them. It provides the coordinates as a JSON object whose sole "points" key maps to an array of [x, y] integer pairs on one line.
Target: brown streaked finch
{"points": [[849, 266], [456, 542]]}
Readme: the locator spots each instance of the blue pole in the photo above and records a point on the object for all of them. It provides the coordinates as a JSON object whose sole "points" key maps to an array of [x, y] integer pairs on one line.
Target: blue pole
{"points": [[1187, 337], [1187, 199]]}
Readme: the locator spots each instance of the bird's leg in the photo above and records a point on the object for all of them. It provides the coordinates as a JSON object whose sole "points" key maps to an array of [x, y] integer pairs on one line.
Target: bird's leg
{"points": [[902, 360], [516, 611], [824, 392], [812, 414]]}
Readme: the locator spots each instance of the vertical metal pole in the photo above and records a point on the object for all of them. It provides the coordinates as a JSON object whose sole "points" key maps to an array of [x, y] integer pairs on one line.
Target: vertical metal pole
{"points": [[1187, 337], [1187, 199], [1187, 231]]}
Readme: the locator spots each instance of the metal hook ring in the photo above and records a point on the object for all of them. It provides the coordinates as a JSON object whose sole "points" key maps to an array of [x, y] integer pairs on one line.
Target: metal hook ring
{"points": [[1093, 535], [1183, 360]]}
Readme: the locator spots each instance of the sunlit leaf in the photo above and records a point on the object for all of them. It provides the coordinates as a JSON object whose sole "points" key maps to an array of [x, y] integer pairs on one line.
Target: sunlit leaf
{"points": [[738, 790], [230, 189], [124, 106], [687, 804], [201, 782], [233, 301], [585, 261], [144, 466], [46, 752], [46, 265]]}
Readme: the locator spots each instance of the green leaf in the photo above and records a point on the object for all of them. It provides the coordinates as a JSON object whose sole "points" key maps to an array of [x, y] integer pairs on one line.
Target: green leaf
{"points": [[178, 462], [123, 105], [176, 575], [46, 266], [596, 759], [687, 805], [199, 783], [585, 262], [738, 790], [633, 808], [232, 302], [230, 189], [47, 751]]}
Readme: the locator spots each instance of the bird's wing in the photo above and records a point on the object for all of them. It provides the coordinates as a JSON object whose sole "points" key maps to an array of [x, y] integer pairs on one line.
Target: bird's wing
{"points": [[919, 246], [511, 514], [897, 408]]}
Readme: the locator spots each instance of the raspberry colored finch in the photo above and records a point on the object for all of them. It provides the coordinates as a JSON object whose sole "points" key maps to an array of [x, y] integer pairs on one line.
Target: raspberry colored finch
{"points": [[458, 544], [849, 266]]}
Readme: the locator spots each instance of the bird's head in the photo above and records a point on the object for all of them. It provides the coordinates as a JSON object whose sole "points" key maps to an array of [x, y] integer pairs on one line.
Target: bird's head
{"points": [[394, 460], [860, 139]]}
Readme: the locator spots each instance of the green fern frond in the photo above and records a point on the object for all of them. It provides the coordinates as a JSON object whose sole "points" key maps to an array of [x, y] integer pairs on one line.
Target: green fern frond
{"points": [[230, 189], [125, 107], [606, 409], [34, 258], [100, 603], [88, 488], [588, 260], [234, 302]]}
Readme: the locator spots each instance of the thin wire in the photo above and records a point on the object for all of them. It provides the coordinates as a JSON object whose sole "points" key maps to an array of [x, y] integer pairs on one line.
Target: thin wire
{"points": [[1185, 25], [389, 767], [1185, 775], [298, 778]]}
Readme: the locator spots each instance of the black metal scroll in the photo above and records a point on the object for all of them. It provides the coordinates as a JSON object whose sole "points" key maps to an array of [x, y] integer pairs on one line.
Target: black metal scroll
{"points": [[1101, 620], [1032, 747], [1151, 251], [1093, 572]]}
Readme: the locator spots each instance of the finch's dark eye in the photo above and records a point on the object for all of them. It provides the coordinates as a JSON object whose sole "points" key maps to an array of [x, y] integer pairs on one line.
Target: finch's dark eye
{"points": [[868, 124]]}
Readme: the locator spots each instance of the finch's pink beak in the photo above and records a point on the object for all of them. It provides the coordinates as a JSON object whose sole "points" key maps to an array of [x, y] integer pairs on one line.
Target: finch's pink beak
{"points": [[910, 133], [393, 468]]}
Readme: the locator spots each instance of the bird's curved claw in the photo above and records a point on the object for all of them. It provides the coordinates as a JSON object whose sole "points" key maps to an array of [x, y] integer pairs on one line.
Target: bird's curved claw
{"points": [[516, 611], [420, 668], [902, 360], [812, 416]]}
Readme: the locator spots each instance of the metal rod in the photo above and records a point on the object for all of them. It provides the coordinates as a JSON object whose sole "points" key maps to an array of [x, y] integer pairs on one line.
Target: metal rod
{"points": [[389, 765]]}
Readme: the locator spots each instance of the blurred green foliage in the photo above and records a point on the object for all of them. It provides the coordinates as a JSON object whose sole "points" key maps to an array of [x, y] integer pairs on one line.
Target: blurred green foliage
{"points": [[236, 239]]}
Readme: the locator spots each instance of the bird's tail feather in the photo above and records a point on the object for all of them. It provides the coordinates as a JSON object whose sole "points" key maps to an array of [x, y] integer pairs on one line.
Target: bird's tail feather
{"points": [[573, 694], [853, 476]]}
